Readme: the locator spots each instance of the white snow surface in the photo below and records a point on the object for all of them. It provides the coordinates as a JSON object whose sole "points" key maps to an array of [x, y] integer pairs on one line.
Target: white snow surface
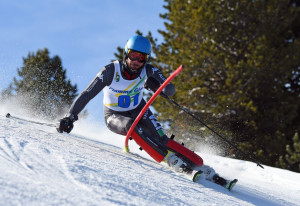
{"points": [[39, 166]]}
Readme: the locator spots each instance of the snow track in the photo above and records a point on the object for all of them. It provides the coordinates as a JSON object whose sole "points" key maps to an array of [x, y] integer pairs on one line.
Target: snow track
{"points": [[39, 166]]}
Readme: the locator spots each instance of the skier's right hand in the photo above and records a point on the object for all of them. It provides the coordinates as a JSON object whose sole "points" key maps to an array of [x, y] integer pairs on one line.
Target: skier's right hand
{"points": [[65, 124]]}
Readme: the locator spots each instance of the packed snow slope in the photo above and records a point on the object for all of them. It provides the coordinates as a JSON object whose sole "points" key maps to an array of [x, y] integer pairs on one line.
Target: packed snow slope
{"points": [[39, 166]]}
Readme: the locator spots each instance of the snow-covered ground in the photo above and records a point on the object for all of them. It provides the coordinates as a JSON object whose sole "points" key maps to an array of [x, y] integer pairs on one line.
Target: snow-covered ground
{"points": [[39, 166]]}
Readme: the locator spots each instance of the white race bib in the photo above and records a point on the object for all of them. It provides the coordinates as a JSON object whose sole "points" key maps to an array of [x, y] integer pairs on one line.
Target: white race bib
{"points": [[122, 94]]}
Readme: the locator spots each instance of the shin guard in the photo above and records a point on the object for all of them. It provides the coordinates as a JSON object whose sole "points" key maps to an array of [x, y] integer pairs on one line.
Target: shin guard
{"points": [[186, 153], [152, 149]]}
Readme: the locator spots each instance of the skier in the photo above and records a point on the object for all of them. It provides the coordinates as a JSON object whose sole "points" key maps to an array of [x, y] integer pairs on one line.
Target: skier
{"points": [[123, 82]]}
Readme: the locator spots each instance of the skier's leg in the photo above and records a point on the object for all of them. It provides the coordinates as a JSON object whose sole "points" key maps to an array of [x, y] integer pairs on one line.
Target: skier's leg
{"points": [[157, 134], [151, 145], [151, 125], [148, 134], [120, 123]]}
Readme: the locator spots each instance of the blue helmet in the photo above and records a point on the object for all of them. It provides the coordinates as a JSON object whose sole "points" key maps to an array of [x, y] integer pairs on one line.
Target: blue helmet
{"points": [[140, 44]]}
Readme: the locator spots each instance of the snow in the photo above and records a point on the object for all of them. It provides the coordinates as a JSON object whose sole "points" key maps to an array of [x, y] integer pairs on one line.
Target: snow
{"points": [[39, 166]]}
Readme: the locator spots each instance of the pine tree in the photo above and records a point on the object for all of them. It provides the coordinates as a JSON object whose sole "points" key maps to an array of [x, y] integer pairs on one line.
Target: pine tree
{"points": [[41, 86], [242, 66], [292, 159], [241, 72]]}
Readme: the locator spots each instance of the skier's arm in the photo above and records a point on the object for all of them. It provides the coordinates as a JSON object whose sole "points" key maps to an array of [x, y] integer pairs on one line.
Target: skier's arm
{"points": [[103, 78], [156, 78]]}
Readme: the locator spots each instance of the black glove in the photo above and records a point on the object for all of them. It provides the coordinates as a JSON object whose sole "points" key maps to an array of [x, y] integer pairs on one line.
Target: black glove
{"points": [[169, 90], [66, 124]]}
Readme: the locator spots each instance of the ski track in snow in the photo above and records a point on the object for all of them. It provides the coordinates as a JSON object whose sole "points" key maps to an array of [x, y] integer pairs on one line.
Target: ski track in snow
{"points": [[39, 166]]}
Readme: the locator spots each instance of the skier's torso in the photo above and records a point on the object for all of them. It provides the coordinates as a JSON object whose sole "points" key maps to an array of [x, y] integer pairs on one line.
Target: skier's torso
{"points": [[106, 78], [123, 94]]}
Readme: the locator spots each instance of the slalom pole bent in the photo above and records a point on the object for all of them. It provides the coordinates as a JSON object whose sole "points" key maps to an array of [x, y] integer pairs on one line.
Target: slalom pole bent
{"points": [[168, 80]]}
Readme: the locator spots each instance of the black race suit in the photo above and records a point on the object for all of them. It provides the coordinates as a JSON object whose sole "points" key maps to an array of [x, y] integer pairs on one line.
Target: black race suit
{"points": [[148, 128]]}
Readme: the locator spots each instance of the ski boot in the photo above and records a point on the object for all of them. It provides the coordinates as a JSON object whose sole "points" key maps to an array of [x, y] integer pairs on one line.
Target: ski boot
{"points": [[228, 184], [177, 163], [206, 172], [197, 176], [210, 175]]}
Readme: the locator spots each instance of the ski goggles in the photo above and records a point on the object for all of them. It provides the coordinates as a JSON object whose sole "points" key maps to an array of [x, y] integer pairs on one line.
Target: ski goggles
{"points": [[137, 56]]}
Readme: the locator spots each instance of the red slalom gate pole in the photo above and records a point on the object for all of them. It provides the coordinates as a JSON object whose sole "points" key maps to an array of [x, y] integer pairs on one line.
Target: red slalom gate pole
{"points": [[168, 80]]}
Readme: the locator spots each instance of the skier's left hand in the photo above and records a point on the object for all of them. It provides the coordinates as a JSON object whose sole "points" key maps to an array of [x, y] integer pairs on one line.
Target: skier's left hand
{"points": [[169, 90]]}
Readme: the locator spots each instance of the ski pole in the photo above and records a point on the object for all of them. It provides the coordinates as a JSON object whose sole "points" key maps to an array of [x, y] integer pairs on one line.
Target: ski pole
{"points": [[8, 115], [235, 147]]}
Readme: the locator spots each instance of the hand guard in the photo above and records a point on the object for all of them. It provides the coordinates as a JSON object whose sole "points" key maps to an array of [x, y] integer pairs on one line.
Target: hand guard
{"points": [[66, 124]]}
